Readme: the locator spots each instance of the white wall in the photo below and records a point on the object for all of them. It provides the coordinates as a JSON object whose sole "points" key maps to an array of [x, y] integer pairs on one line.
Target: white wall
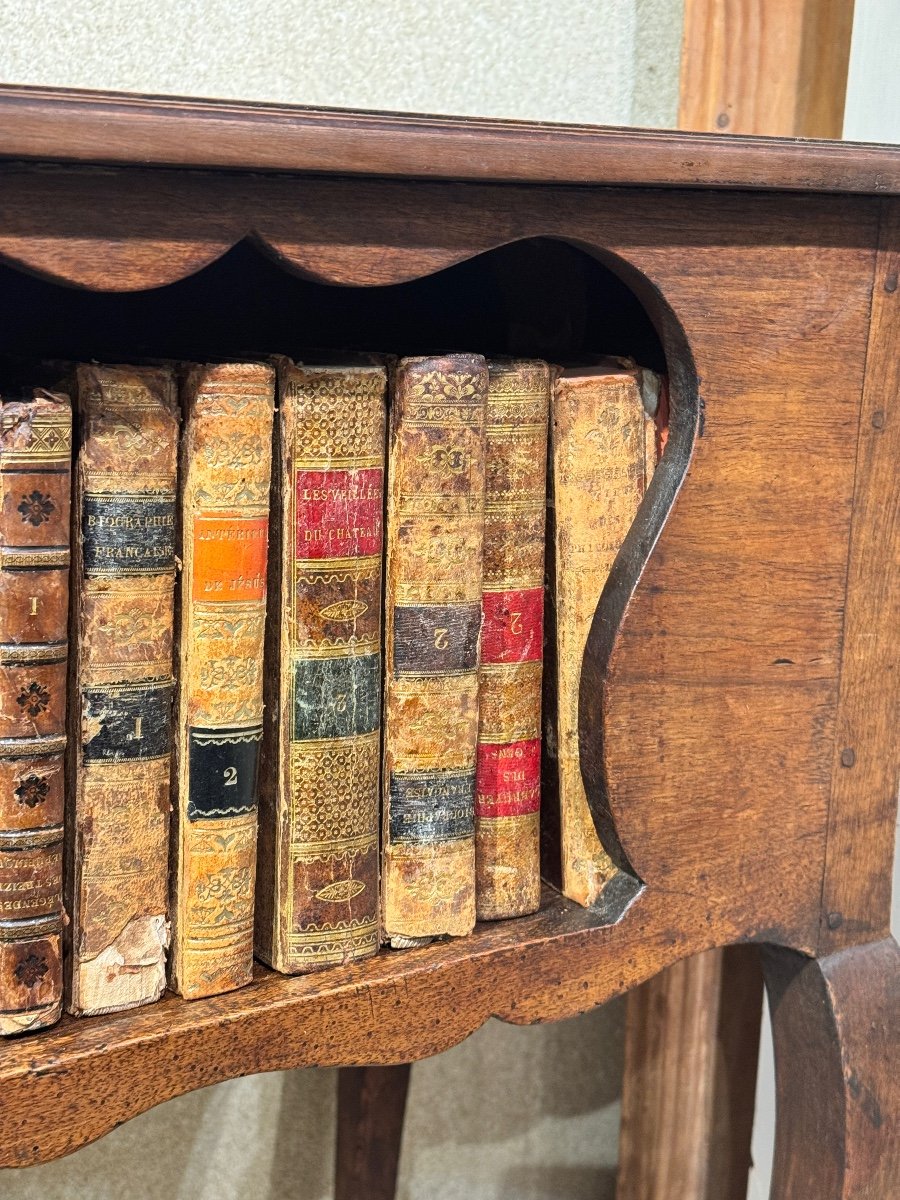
{"points": [[872, 110], [601, 61], [512, 1114]]}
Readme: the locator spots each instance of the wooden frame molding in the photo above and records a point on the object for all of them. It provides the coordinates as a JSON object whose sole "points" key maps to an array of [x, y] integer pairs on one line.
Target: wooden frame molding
{"points": [[104, 127]]}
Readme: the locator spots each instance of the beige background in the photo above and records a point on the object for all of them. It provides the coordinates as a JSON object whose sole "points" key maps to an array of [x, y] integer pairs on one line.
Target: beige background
{"points": [[512, 1114]]}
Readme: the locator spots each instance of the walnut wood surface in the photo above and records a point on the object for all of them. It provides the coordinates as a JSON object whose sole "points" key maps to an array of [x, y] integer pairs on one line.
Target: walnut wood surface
{"points": [[83, 1077], [106, 127], [856, 892], [371, 1106], [836, 1027], [691, 1049], [710, 693]]}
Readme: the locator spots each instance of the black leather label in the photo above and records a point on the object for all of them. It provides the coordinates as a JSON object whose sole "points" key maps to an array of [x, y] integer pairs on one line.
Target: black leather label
{"points": [[128, 534], [223, 766], [432, 806], [127, 721], [436, 639], [336, 697]]}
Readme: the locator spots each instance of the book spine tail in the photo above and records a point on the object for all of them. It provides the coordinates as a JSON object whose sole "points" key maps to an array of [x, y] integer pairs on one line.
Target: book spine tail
{"points": [[35, 472], [121, 689], [603, 445], [508, 791], [432, 636], [320, 852], [225, 471]]}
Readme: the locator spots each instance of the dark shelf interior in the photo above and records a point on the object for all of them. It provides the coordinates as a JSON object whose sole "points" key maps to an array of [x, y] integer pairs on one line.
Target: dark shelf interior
{"points": [[539, 297]]}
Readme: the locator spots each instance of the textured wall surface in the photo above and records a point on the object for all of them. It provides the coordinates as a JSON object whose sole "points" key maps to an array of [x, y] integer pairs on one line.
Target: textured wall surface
{"points": [[512, 1114], [604, 61]]}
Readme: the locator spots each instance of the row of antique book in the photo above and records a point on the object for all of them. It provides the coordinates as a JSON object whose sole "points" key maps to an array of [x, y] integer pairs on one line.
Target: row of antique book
{"points": [[231, 746]]}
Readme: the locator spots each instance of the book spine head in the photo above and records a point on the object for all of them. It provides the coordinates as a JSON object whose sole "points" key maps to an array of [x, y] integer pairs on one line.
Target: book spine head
{"points": [[432, 639], [226, 464], [35, 475], [321, 865], [508, 791], [122, 685]]}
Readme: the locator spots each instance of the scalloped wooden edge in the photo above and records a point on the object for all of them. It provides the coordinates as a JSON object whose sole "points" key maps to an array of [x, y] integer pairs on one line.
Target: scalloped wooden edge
{"points": [[75, 1082]]}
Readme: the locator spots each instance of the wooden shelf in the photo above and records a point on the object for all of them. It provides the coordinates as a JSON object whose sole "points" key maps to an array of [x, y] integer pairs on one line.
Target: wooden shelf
{"points": [[83, 1077], [739, 685]]}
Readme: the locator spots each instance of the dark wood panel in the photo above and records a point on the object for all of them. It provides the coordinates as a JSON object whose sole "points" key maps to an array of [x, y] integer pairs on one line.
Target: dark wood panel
{"points": [[115, 128]]}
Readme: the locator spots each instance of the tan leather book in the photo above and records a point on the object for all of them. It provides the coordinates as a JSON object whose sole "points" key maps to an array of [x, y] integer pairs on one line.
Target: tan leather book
{"points": [[35, 477], [435, 527], [120, 695], [508, 783], [602, 459], [226, 456], [318, 845]]}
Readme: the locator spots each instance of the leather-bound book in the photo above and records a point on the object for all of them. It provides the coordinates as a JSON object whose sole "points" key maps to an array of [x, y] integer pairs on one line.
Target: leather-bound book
{"points": [[435, 528], [508, 784], [35, 476], [120, 695], [318, 844], [226, 456], [602, 458]]}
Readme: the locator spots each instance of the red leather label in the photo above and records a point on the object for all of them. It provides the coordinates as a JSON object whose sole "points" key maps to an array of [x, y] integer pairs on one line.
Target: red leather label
{"points": [[339, 514], [513, 629], [508, 780]]}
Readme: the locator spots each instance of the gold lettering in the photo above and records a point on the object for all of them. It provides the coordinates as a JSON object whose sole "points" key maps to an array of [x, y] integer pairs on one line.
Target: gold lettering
{"points": [[440, 639]]}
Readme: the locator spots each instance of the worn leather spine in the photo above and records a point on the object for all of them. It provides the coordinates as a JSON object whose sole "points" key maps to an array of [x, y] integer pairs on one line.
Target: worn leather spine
{"points": [[508, 783], [35, 478], [603, 454], [435, 529], [226, 457], [318, 857], [120, 708]]}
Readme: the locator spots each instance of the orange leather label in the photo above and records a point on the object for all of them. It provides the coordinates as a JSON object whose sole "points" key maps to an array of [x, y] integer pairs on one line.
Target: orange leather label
{"points": [[230, 558]]}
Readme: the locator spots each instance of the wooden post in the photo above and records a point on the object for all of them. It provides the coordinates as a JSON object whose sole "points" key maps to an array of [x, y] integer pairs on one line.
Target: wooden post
{"points": [[776, 67], [371, 1105], [692, 1033]]}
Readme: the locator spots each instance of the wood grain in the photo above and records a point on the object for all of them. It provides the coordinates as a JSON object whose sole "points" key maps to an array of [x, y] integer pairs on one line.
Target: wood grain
{"points": [[761, 68], [371, 1105], [691, 1046], [836, 1026], [709, 697], [105, 127], [856, 893], [84, 1077], [764, 66]]}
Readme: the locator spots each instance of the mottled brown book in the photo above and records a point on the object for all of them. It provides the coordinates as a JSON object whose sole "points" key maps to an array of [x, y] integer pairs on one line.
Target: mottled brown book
{"points": [[120, 694], [226, 456], [435, 527], [508, 782], [318, 845], [35, 477], [603, 455]]}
